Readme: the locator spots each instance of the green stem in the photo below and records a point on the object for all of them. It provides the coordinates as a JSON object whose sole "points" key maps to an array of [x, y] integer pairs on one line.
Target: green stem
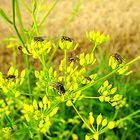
{"points": [[133, 122], [35, 23], [14, 57], [28, 73], [22, 42], [71, 132], [94, 48], [89, 97], [125, 118], [52, 56], [34, 7], [129, 116], [116, 113], [45, 16], [65, 66], [71, 18], [26, 6], [14, 23], [106, 76], [82, 118], [43, 62], [20, 19]]}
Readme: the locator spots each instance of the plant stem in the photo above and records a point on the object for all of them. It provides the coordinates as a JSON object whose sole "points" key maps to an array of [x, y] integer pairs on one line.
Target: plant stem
{"points": [[122, 119], [34, 7], [71, 132], [88, 97], [45, 16], [52, 56], [26, 6], [43, 62], [22, 42], [129, 116], [65, 66], [14, 23], [82, 118], [106, 76], [35, 23], [71, 18], [20, 19]]}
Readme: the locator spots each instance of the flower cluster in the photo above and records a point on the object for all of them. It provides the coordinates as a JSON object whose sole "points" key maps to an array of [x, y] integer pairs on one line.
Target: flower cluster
{"points": [[54, 92], [96, 38], [87, 59], [67, 44], [37, 48], [40, 113], [11, 81], [107, 94], [116, 61], [99, 126]]}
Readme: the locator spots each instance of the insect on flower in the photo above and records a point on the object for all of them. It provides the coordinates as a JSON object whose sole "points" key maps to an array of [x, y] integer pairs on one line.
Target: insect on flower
{"points": [[66, 38], [74, 59], [39, 38], [20, 48], [118, 58], [88, 78], [10, 77], [59, 87]]}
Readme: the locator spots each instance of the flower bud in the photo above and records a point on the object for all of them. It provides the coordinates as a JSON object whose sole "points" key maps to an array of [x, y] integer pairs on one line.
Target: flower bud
{"points": [[99, 119], [104, 122], [111, 124], [91, 118]]}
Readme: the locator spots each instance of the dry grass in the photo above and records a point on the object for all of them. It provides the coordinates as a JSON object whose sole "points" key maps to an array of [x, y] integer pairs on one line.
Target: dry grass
{"points": [[120, 19]]}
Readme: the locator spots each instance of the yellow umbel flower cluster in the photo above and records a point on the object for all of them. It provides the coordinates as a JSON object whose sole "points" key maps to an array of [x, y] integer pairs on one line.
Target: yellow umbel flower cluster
{"points": [[107, 94], [98, 125]]}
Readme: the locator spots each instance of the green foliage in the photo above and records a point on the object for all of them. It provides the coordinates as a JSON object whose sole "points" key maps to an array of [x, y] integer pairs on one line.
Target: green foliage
{"points": [[70, 102]]}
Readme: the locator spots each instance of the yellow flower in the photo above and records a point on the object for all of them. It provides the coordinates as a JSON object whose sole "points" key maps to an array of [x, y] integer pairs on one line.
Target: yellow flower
{"points": [[87, 137], [101, 98], [111, 124], [27, 117], [96, 135], [69, 103], [40, 104], [99, 119], [35, 104], [41, 124], [45, 100], [104, 122], [106, 83], [17, 94], [74, 137], [91, 118], [54, 111]]}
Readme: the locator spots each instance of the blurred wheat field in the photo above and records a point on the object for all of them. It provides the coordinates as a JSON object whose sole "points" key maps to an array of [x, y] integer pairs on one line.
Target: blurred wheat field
{"points": [[120, 19]]}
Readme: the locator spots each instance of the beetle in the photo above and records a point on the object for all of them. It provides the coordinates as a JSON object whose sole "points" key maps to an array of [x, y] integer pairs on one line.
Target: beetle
{"points": [[66, 38], [39, 38], [88, 78], [59, 86], [74, 59], [20, 48], [118, 58], [10, 77]]}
